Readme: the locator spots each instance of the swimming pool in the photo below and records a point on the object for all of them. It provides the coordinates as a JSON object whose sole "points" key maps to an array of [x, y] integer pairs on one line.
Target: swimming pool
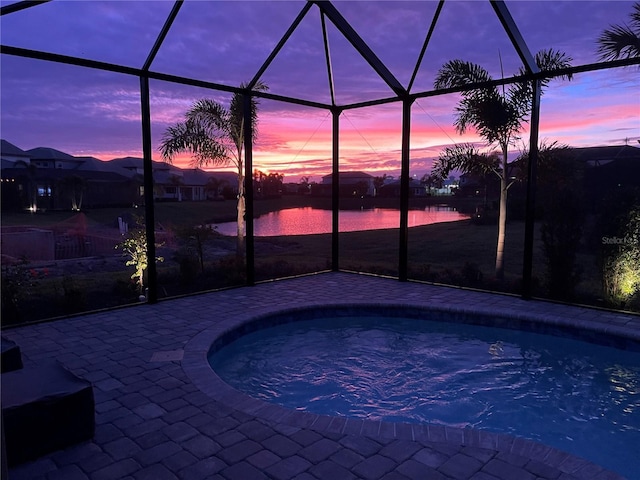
{"points": [[499, 379]]}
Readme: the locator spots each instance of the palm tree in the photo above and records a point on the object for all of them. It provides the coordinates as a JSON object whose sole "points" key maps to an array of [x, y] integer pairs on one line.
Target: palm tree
{"points": [[214, 135], [497, 114], [621, 41], [73, 187]]}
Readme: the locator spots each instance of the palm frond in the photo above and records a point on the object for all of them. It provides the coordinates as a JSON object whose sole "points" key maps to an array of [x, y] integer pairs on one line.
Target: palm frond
{"points": [[555, 160], [548, 60], [192, 137], [493, 116], [621, 41], [635, 17], [210, 115], [174, 141], [211, 133], [466, 158], [458, 73]]}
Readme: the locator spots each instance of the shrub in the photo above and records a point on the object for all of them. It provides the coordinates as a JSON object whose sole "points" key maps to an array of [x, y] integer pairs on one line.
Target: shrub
{"points": [[621, 265], [471, 275], [561, 231], [189, 263], [74, 297], [134, 247], [16, 285]]}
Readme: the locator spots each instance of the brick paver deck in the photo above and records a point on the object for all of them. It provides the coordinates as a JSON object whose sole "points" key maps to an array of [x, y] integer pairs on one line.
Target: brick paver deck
{"points": [[157, 419]]}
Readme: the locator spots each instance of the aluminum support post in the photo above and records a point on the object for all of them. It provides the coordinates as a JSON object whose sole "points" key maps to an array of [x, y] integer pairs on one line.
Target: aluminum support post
{"points": [[532, 172]]}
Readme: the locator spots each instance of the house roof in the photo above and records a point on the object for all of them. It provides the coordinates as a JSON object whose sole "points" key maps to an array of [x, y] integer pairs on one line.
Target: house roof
{"points": [[118, 168], [5, 164], [138, 163], [7, 148], [413, 183], [92, 164], [599, 155], [356, 174], [625, 168], [195, 176], [46, 153]]}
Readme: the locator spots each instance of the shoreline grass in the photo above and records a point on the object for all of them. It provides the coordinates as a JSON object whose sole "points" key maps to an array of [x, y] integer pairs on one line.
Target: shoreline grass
{"points": [[197, 213]]}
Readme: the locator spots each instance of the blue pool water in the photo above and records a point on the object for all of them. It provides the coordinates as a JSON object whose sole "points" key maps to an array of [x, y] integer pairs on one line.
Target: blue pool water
{"points": [[576, 396]]}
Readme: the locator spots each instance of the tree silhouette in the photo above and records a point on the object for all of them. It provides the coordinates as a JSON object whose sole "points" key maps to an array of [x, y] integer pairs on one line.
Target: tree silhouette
{"points": [[621, 41], [214, 135], [497, 114]]}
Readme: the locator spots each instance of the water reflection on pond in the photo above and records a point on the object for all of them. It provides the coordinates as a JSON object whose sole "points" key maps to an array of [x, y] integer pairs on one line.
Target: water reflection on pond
{"points": [[307, 220]]}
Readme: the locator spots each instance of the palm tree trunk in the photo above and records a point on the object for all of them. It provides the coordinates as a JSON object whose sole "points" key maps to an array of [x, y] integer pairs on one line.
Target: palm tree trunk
{"points": [[502, 216], [241, 210]]}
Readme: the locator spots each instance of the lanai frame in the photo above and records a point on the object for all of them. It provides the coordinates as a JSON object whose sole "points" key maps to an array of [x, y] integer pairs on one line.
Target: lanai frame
{"points": [[400, 94]]}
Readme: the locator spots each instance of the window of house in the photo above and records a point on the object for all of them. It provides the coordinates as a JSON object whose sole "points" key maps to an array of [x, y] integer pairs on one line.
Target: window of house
{"points": [[44, 191]]}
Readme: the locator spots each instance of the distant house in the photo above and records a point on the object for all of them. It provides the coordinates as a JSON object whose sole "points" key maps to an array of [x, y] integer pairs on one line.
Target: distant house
{"points": [[12, 154], [606, 169], [392, 189], [43, 157], [600, 156], [193, 184], [477, 185], [12, 188], [177, 184], [609, 168], [46, 178], [449, 187], [352, 184], [291, 188]]}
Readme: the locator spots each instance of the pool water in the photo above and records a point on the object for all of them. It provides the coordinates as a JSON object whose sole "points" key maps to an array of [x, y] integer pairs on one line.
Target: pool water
{"points": [[572, 395]]}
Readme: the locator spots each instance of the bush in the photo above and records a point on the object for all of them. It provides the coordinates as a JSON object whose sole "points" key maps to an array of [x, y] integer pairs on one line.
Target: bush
{"points": [[471, 275], [189, 263], [17, 284], [134, 248], [561, 232], [621, 267], [74, 297]]}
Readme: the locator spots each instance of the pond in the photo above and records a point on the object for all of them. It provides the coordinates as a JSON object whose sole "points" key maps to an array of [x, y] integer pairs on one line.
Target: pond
{"points": [[308, 221]]}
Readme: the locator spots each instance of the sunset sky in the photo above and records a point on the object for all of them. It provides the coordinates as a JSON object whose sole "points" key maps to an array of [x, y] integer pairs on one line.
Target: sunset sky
{"points": [[87, 112]]}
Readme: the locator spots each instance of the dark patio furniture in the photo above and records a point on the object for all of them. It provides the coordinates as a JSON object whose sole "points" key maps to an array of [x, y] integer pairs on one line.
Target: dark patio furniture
{"points": [[44, 408], [11, 358]]}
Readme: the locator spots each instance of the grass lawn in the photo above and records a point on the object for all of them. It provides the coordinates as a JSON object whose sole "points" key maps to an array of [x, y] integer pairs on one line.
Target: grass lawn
{"points": [[446, 245], [455, 253]]}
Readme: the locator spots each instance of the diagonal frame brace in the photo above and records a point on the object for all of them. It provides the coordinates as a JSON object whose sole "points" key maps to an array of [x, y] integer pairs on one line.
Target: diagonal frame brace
{"points": [[16, 7], [162, 35], [328, 9], [279, 46], [518, 42], [327, 54]]}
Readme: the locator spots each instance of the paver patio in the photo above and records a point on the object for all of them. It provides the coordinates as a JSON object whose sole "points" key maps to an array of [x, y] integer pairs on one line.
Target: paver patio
{"points": [[154, 421]]}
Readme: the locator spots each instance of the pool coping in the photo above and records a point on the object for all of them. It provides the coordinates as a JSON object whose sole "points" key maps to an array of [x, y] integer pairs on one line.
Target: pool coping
{"points": [[196, 366]]}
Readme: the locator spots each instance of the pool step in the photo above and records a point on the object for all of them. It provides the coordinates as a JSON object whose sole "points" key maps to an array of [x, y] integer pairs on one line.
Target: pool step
{"points": [[44, 408]]}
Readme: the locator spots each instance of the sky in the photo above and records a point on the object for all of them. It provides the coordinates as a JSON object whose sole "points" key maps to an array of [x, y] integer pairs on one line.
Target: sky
{"points": [[87, 112]]}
